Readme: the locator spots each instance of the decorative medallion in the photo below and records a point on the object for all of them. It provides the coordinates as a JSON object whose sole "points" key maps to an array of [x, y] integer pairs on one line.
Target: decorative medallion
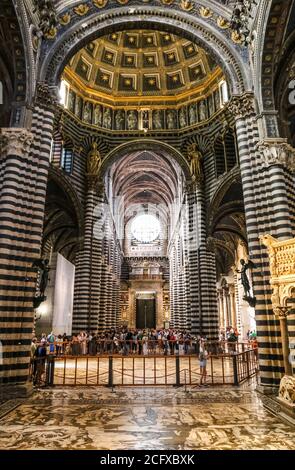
{"points": [[167, 2], [81, 9]]}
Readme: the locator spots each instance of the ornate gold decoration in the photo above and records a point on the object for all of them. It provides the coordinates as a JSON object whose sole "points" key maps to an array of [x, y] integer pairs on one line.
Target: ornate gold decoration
{"points": [[51, 34], [236, 37], [15, 141], [222, 23], [100, 3], [167, 2], [121, 67], [277, 152], [65, 19], [287, 389], [123, 2], [186, 5], [206, 12], [81, 9]]}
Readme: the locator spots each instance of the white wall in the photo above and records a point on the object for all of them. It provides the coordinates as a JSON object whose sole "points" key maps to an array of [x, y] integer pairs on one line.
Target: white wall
{"points": [[63, 296]]}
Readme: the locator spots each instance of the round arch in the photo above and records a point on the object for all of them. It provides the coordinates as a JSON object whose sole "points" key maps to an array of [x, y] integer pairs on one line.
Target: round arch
{"points": [[145, 144], [226, 54]]}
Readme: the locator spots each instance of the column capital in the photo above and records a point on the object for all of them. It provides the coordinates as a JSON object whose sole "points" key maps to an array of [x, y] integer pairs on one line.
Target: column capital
{"points": [[241, 106], [15, 141], [276, 152], [281, 312], [46, 96]]}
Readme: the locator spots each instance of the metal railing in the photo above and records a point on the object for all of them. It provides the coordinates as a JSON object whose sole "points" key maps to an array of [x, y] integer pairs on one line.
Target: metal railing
{"points": [[157, 370]]}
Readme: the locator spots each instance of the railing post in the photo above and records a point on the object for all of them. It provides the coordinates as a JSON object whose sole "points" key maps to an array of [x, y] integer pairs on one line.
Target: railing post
{"points": [[235, 367], [177, 371], [110, 382], [248, 355], [50, 371]]}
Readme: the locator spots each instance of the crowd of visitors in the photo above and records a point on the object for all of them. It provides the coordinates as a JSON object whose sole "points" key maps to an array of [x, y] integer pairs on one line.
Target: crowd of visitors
{"points": [[119, 341]]}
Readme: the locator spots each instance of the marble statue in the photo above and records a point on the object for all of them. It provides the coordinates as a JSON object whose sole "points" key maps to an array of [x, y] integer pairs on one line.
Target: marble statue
{"points": [[72, 101], [192, 114], [93, 160], [171, 119], [78, 106], [87, 112], [203, 110], [97, 115], [195, 159], [211, 105], [157, 119], [182, 117], [107, 118], [132, 121], [217, 99], [120, 120]]}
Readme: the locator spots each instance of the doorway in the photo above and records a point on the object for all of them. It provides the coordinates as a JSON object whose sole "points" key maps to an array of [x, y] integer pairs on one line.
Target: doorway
{"points": [[145, 311]]}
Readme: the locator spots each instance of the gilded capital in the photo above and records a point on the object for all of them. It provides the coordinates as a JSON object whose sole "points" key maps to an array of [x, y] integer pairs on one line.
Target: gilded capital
{"points": [[14, 141], [276, 152], [241, 106]]}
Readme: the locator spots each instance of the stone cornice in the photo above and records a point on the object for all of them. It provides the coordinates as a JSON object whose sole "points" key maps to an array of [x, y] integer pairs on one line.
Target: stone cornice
{"points": [[276, 152], [14, 141]]}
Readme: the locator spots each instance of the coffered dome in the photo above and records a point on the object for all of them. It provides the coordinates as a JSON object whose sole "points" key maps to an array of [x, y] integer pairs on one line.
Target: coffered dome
{"points": [[139, 63]]}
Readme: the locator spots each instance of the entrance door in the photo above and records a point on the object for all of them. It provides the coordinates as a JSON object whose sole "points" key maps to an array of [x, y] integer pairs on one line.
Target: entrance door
{"points": [[145, 313]]}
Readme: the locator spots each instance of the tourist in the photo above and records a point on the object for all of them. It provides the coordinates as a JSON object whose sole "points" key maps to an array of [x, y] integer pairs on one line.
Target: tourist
{"points": [[203, 355]]}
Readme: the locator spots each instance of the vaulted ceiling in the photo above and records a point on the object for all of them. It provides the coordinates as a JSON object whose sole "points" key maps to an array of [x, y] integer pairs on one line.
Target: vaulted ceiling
{"points": [[140, 63], [146, 177]]}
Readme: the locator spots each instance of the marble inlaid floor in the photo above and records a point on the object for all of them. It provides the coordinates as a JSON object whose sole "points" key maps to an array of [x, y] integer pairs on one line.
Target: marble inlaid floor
{"points": [[140, 370], [142, 418]]}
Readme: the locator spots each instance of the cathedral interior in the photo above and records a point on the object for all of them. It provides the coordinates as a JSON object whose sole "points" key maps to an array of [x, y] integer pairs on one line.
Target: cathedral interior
{"points": [[147, 185]]}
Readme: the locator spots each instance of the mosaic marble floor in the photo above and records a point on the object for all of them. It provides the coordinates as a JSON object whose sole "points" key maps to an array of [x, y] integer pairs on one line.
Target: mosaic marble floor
{"points": [[142, 418], [139, 370]]}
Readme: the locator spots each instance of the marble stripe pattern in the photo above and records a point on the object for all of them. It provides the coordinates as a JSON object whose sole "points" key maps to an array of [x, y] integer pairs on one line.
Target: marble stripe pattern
{"points": [[154, 419]]}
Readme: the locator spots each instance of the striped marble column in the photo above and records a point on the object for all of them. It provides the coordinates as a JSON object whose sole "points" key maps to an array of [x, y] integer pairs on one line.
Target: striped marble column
{"points": [[203, 295], [86, 311], [264, 171], [24, 161]]}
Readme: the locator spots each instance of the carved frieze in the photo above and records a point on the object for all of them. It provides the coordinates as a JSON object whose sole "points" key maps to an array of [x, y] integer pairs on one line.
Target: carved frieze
{"points": [[282, 271], [276, 152]]}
